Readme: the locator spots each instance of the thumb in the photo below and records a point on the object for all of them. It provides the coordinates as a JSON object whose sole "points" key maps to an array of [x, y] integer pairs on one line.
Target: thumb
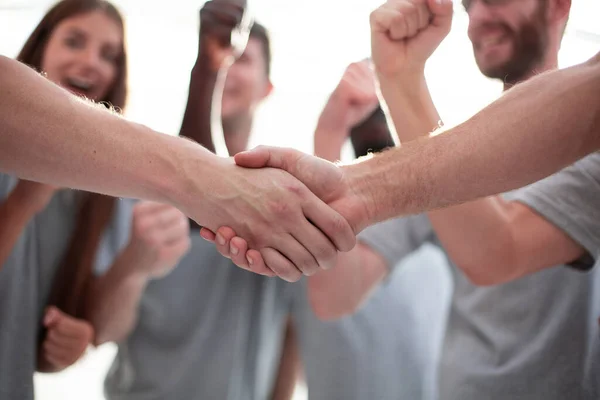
{"points": [[320, 176], [442, 13], [255, 158], [52, 317], [267, 156]]}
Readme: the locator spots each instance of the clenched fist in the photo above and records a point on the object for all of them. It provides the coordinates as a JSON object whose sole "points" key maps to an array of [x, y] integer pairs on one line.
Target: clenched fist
{"points": [[159, 238], [404, 33]]}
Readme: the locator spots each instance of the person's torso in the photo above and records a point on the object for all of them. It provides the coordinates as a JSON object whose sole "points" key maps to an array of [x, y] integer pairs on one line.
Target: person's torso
{"points": [[19, 318], [526, 339], [383, 351], [208, 330]]}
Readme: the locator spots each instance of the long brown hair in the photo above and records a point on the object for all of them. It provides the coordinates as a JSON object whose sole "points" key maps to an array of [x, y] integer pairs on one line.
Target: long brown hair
{"points": [[94, 211]]}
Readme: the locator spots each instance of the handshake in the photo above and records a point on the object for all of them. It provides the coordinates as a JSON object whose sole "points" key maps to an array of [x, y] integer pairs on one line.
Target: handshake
{"points": [[285, 213]]}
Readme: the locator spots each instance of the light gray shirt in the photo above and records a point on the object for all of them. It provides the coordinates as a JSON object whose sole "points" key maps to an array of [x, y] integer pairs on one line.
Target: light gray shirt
{"points": [[208, 330], [26, 280], [387, 350], [527, 339]]}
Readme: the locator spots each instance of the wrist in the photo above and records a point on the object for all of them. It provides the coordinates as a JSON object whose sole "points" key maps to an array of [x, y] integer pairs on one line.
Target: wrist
{"points": [[204, 63], [400, 73], [362, 204], [194, 176], [404, 86]]}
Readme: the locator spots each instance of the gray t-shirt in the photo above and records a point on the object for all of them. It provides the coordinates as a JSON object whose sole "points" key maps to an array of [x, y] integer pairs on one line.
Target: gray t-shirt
{"points": [[527, 339], [570, 200], [25, 283], [385, 350], [18, 318], [208, 330]]}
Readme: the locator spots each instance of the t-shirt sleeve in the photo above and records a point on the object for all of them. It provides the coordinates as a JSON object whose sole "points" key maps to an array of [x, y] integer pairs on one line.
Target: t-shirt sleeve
{"points": [[570, 199], [397, 238], [7, 183]]}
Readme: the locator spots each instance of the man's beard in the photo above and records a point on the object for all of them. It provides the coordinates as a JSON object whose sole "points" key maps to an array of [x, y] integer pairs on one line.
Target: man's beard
{"points": [[529, 45]]}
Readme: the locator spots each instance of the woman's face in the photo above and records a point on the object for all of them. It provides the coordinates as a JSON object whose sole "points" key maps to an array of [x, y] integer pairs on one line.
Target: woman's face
{"points": [[82, 53]]}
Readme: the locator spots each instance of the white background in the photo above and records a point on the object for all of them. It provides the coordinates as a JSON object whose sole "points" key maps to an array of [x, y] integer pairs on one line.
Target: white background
{"points": [[313, 41]]}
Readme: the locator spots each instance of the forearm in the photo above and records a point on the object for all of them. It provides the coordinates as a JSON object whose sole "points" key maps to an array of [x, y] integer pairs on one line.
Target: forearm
{"points": [[49, 135], [474, 233], [14, 219], [113, 300], [328, 143], [410, 106], [521, 138], [341, 290], [196, 123]]}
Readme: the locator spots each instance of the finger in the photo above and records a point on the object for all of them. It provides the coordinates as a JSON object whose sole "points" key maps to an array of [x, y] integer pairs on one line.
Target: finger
{"points": [[318, 245], [237, 250], [176, 231], [410, 17], [176, 250], [57, 360], [63, 356], [331, 223], [207, 235], [257, 264], [73, 327], [224, 235], [424, 16], [296, 251], [52, 316], [442, 11], [222, 13], [279, 264], [79, 332], [239, 256], [381, 19], [258, 157], [64, 343]]}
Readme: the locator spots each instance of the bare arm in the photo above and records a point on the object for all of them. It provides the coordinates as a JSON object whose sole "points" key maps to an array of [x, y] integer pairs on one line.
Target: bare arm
{"points": [[534, 130], [341, 290], [114, 298], [196, 122], [56, 138], [491, 239], [160, 237]]}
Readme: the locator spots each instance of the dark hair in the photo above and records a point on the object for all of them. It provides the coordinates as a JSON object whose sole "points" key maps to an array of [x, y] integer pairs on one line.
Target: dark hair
{"points": [[32, 52], [95, 210], [260, 33]]}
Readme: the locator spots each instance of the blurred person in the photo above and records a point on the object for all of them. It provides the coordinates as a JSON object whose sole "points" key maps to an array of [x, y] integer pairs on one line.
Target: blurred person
{"points": [[520, 340], [376, 356], [50, 238], [207, 330]]}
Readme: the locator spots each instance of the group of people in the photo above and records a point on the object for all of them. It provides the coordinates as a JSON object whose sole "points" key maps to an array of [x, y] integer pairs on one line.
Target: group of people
{"points": [[193, 304]]}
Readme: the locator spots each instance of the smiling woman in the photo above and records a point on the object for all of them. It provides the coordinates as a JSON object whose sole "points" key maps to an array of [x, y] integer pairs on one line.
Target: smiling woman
{"points": [[80, 46]]}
